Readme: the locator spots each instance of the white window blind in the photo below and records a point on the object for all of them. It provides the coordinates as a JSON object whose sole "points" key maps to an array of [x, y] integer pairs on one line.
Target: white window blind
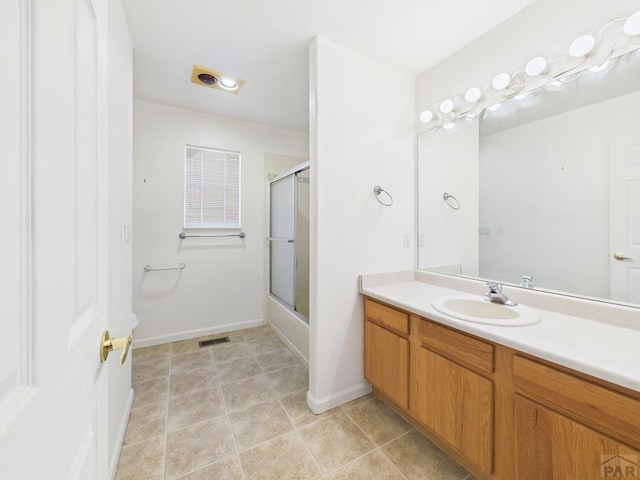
{"points": [[211, 188]]}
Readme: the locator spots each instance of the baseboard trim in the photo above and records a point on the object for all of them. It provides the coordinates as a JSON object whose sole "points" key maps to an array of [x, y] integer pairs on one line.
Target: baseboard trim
{"points": [[321, 405], [174, 337], [120, 440]]}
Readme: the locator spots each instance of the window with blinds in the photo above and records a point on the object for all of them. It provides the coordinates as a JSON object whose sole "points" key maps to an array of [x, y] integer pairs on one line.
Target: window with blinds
{"points": [[211, 188]]}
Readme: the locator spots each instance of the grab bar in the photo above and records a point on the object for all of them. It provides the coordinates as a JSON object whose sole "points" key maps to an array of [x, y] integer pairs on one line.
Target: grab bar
{"points": [[149, 268], [213, 235], [276, 239]]}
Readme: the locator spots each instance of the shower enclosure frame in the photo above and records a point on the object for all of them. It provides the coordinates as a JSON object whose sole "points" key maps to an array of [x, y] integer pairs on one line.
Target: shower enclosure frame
{"points": [[294, 304]]}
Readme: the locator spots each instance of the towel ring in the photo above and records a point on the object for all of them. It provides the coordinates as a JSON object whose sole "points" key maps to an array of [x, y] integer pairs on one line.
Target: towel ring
{"points": [[377, 190], [451, 201]]}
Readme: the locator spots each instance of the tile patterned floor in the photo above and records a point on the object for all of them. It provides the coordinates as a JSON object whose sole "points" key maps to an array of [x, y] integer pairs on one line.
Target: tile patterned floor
{"points": [[238, 411]]}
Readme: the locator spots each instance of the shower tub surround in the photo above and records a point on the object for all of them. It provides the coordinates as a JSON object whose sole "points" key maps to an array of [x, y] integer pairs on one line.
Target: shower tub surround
{"points": [[560, 397]]}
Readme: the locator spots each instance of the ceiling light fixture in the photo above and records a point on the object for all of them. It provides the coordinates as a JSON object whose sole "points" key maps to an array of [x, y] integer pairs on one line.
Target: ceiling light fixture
{"points": [[213, 79], [582, 46], [228, 84], [536, 66], [501, 81]]}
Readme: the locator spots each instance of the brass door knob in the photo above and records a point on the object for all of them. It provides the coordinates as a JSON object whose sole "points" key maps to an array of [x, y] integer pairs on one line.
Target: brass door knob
{"points": [[621, 256], [108, 344]]}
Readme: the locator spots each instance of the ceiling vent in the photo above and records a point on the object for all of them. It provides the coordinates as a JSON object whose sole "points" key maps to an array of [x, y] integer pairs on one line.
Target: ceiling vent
{"points": [[218, 80]]}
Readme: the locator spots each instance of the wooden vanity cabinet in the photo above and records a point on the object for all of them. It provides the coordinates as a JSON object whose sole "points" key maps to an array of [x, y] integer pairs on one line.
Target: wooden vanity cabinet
{"points": [[500, 413], [386, 351], [567, 427], [550, 446]]}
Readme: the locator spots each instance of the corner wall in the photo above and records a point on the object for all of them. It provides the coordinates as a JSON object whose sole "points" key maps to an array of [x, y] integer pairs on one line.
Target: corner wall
{"points": [[221, 287], [361, 135]]}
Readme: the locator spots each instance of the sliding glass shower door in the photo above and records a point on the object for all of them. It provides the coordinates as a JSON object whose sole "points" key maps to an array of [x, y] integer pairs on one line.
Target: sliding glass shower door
{"points": [[289, 239]]}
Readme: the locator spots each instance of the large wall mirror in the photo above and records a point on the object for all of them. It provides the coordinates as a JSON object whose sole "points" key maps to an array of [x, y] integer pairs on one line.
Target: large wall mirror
{"points": [[548, 187]]}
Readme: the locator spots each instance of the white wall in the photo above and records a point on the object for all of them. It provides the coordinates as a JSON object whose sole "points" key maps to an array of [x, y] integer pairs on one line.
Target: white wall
{"points": [[448, 162], [544, 192], [362, 135], [120, 214], [222, 286]]}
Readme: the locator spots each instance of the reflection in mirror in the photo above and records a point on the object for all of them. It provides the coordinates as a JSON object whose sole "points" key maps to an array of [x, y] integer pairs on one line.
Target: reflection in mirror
{"points": [[549, 187]]}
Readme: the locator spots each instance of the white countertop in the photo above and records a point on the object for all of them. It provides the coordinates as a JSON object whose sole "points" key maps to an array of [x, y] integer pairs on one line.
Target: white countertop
{"points": [[604, 350]]}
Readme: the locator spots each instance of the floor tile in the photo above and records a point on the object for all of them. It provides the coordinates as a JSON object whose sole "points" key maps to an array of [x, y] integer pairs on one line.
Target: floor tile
{"points": [[141, 460], [288, 379], [377, 420], [193, 381], [231, 352], [419, 459], [374, 465], [295, 403], [256, 332], [226, 469], [237, 370], [258, 423], [276, 359], [284, 457], [195, 407], [190, 361], [198, 445], [150, 368], [247, 392], [265, 344], [150, 391], [148, 353], [145, 422], [335, 441]]}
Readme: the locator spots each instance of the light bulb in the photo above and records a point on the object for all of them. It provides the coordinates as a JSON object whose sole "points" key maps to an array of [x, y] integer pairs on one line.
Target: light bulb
{"points": [[582, 46], [426, 116], [448, 125], [501, 81], [447, 106], [536, 66], [632, 25], [473, 95], [228, 84]]}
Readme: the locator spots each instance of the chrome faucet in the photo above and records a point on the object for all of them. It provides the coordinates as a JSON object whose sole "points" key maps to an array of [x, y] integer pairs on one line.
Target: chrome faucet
{"points": [[495, 295]]}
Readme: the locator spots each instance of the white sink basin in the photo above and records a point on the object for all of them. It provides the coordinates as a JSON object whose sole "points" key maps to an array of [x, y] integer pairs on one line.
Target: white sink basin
{"points": [[478, 310]]}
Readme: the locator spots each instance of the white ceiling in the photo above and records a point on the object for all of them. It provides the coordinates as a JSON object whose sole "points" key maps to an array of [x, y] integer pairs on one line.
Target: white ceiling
{"points": [[266, 43]]}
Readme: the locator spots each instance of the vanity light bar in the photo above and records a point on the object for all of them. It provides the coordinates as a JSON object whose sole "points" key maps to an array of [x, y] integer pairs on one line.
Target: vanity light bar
{"points": [[592, 52]]}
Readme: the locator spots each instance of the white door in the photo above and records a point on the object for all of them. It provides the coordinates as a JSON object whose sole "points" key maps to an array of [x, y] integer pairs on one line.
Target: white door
{"points": [[624, 218], [54, 279]]}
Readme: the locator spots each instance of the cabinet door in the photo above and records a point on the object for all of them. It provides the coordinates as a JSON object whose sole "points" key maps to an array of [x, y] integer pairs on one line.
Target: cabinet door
{"points": [[386, 362], [550, 446], [457, 404]]}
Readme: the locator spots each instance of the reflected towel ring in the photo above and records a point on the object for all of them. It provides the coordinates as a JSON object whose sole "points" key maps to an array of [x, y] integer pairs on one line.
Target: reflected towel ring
{"points": [[454, 203], [377, 190]]}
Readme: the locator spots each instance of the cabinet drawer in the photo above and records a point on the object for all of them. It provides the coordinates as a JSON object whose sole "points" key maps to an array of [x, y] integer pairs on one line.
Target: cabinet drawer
{"points": [[608, 411], [387, 316], [468, 351]]}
